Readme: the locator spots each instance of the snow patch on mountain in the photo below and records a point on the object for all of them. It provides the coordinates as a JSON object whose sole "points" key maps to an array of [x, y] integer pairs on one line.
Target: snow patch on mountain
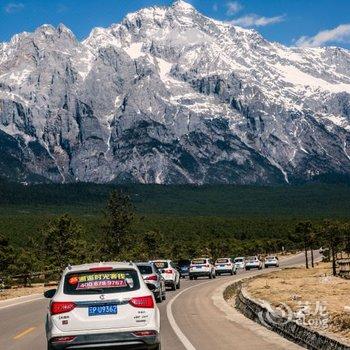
{"points": [[169, 95]]}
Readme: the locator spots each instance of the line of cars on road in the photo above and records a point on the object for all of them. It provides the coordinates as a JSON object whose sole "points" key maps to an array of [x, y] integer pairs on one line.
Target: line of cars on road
{"points": [[254, 262], [111, 305], [206, 267]]}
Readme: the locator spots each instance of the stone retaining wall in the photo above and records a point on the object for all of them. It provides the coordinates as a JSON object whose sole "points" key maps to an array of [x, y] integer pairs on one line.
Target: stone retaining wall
{"points": [[291, 330], [344, 268]]}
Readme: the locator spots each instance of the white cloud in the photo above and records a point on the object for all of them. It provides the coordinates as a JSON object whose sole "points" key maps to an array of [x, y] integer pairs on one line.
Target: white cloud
{"points": [[340, 34], [233, 7], [13, 7], [254, 20]]}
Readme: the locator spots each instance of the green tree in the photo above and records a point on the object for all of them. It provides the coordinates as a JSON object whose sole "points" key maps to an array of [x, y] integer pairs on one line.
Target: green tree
{"points": [[63, 243], [303, 232], [332, 237], [347, 238], [313, 244], [117, 227], [24, 265], [154, 244], [6, 256]]}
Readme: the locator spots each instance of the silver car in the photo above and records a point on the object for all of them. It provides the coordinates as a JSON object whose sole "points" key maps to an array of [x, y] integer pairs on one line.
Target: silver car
{"points": [[154, 280], [239, 262], [272, 261], [253, 262]]}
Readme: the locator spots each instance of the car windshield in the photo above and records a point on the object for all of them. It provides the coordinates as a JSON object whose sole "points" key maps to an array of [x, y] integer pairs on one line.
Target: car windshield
{"points": [[161, 264], [145, 269], [198, 261], [113, 281], [222, 261], [184, 262], [239, 260], [252, 258], [271, 258]]}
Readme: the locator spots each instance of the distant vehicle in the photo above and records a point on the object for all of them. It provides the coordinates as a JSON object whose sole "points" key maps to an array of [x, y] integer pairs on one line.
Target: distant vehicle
{"points": [[253, 262], [225, 265], [184, 267], [169, 272], [272, 261], [154, 280], [102, 305], [239, 262], [202, 267]]}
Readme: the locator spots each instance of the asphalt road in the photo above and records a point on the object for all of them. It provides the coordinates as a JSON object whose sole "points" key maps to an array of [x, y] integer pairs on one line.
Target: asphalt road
{"points": [[195, 322]]}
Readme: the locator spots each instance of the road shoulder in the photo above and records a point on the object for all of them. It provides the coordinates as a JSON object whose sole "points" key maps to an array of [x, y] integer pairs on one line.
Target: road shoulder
{"points": [[4, 304], [232, 315]]}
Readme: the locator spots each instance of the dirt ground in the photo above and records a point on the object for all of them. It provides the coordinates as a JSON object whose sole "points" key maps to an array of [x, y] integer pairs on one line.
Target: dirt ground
{"points": [[23, 291], [312, 293]]}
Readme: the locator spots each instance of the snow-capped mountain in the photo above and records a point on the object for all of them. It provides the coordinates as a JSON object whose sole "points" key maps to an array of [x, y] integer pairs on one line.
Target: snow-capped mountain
{"points": [[171, 96]]}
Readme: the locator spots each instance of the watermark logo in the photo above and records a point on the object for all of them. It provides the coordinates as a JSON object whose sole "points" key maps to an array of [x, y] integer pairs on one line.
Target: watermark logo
{"points": [[307, 314], [273, 315], [314, 315]]}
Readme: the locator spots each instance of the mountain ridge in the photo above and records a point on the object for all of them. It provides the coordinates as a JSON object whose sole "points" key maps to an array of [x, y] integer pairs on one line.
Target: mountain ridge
{"points": [[169, 95]]}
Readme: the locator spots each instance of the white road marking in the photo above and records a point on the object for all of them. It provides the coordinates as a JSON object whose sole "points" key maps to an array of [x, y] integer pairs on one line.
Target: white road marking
{"points": [[184, 340], [21, 302]]}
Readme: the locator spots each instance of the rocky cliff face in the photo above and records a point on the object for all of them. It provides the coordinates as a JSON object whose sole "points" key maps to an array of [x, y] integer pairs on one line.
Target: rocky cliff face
{"points": [[171, 96]]}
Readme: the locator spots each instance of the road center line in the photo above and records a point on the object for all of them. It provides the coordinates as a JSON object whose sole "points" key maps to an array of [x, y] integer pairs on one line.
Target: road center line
{"points": [[22, 334]]}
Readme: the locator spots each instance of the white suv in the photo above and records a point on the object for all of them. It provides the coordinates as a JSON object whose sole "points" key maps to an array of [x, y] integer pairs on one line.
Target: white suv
{"points": [[272, 261], [225, 265], [202, 267], [239, 262], [253, 262], [169, 272], [103, 305]]}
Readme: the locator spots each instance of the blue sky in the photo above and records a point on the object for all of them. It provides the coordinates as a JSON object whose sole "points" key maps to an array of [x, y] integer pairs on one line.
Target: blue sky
{"points": [[291, 22]]}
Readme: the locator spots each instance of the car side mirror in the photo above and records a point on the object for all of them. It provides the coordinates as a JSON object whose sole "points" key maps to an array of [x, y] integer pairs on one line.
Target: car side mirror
{"points": [[50, 293]]}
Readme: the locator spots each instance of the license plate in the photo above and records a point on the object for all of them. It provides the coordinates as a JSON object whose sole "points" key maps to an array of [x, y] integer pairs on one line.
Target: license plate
{"points": [[99, 310]]}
